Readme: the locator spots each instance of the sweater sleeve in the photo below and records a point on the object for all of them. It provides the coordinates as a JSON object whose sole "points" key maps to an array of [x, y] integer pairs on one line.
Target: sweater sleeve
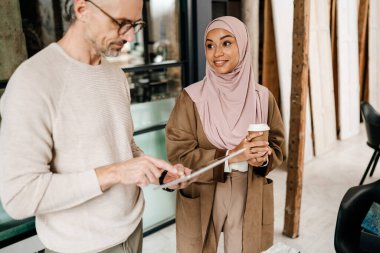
{"points": [[136, 150], [29, 184], [182, 142]]}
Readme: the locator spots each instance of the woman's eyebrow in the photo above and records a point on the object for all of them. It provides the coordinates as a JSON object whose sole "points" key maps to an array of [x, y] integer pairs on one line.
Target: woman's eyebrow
{"points": [[226, 36], [221, 38]]}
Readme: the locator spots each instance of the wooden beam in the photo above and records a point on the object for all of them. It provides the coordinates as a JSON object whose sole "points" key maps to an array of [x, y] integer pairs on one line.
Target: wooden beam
{"points": [[365, 91], [270, 68], [363, 47], [12, 40], [299, 90], [334, 54]]}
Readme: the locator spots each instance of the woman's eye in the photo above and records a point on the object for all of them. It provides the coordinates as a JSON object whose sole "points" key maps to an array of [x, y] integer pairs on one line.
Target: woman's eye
{"points": [[227, 43], [209, 46]]}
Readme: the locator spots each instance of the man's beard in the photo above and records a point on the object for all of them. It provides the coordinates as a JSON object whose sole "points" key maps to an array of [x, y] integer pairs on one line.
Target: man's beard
{"points": [[111, 51]]}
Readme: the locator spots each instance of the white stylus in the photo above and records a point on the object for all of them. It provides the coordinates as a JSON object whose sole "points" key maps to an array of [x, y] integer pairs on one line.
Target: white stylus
{"points": [[200, 171]]}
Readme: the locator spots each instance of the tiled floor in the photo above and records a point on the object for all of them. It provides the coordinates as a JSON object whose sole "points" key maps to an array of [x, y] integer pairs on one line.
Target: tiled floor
{"points": [[325, 180]]}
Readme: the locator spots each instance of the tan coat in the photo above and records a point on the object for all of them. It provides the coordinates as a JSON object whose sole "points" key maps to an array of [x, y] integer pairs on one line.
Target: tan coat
{"points": [[187, 144]]}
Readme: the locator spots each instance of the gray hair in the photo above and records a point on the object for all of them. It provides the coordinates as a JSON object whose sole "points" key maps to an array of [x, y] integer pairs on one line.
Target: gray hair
{"points": [[69, 11]]}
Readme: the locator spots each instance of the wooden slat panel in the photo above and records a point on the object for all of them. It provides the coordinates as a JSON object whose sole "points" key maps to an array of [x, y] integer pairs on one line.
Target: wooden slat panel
{"points": [[348, 68], [300, 75], [334, 54], [374, 53], [283, 23], [309, 152], [270, 70], [321, 77], [250, 11], [363, 47]]}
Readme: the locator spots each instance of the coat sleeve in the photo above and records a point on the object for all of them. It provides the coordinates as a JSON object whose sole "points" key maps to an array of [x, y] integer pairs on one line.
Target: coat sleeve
{"points": [[276, 137], [182, 142]]}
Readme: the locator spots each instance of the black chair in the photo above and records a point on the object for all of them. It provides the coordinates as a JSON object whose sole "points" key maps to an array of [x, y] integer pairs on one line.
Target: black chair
{"points": [[372, 126], [353, 208]]}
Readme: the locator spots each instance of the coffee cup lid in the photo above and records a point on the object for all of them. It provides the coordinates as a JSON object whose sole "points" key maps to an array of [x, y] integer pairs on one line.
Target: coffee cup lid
{"points": [[258, 127]]}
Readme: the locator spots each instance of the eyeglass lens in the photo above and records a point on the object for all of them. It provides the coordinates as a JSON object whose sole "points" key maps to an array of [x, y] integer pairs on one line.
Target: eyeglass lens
{"points": [[136, 27]]}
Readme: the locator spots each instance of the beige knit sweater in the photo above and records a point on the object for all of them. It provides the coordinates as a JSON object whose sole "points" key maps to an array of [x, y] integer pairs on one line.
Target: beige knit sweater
{"points": [[61, 119]]}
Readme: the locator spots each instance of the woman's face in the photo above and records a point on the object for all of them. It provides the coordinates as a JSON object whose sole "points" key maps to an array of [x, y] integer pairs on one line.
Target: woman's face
{"points": [[222, 52]]}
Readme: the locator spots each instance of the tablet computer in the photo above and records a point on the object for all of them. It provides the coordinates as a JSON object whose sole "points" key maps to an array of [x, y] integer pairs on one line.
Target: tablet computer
{"points": [[201, 170]]}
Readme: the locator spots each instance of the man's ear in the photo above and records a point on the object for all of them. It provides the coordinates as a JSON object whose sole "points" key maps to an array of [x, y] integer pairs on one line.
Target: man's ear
{"points": [[80, 9]]}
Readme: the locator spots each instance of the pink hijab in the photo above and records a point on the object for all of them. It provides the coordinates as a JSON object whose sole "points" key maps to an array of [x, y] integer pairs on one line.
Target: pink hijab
{"points": [[228, 103]]}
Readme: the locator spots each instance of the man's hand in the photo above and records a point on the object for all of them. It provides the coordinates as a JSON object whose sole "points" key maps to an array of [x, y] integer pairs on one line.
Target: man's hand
{"points": [[141, 171], [182, 171]]}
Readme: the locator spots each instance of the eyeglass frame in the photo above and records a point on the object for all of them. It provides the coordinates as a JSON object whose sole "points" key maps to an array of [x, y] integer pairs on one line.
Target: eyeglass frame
{"points": [[123, 23]]}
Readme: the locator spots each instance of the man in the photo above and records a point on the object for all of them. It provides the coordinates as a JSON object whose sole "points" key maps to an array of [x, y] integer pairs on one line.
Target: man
{"points": [[67, 151]]}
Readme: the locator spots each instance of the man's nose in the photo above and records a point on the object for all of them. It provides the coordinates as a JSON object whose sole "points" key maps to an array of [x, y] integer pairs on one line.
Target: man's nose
{"points": [[129, 36]]}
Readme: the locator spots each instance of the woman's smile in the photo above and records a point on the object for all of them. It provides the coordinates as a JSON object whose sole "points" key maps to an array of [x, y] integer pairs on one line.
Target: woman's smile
{"points": [[220, 63]]}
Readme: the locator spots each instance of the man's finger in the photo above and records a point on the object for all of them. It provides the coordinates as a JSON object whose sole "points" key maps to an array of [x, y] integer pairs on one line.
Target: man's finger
{"points": [[151, 170], [161, 164], [187, 171], [181, 169]]}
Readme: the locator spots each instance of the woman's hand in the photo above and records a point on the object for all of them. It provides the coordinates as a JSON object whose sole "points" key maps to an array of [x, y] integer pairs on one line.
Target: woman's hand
{"points": [[256, 152], [260, 160]]}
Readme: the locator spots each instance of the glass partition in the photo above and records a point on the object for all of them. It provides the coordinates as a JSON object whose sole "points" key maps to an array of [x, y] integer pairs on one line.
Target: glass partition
{"points": [[155, 84], [159, 204], [153, 63]]}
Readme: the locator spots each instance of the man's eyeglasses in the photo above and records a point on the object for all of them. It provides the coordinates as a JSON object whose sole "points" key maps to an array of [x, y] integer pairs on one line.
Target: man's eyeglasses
{"points": [[124, 26]]}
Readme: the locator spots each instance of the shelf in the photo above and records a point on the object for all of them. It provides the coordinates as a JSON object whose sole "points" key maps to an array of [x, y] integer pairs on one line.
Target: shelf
{"points": [[149, 129], [144, 67]]}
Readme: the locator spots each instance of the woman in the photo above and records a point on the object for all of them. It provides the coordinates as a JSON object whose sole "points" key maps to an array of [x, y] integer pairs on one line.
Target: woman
{"points": [[209, 120]]}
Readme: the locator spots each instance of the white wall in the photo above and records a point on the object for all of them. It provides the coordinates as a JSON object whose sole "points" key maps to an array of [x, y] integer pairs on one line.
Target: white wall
{"points": [[374, 54]]}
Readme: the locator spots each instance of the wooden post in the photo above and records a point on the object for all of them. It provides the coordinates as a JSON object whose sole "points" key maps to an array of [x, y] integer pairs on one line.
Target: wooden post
{"points": [[270, 69], [12, 40], [363, 47], [334, 54], [300, 76]]}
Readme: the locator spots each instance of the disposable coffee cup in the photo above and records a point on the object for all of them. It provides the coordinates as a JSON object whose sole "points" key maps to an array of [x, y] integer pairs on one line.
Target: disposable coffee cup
{"points": [[259, 128]]}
